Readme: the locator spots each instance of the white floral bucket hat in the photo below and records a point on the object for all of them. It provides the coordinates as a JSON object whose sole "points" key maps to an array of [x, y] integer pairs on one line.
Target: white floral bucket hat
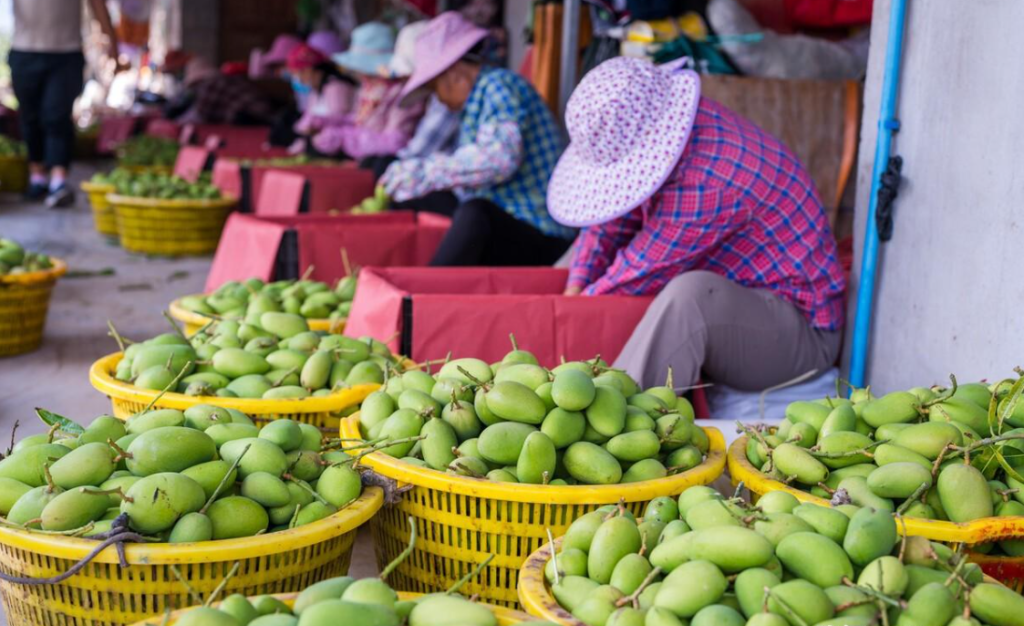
{"points": [[628, 121]]}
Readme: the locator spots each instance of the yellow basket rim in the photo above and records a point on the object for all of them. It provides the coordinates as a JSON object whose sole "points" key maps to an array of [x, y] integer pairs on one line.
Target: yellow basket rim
{"points": [[533, 589], [177, 203], [29, 278], [407, 473], [91, 187], [185, 316], [74, 548], [977, 531], [504, 615], [101, 377]]}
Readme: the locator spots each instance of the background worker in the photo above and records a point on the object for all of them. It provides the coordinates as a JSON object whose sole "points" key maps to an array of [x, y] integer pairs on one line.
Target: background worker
{"points": [[681, 198], [507, 147], [47, 74]]}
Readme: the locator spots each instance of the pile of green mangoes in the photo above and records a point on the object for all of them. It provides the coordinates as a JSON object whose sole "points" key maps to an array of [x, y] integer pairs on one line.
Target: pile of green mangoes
{"points": [[15, 260], [249, 299], [344, 600], [203, 474], [11, 148], [119, 177], [147, 151], [515, 421], [167, 187], [377, 203], [906, 451], [703, 560], [288, 161], [274, 358]]}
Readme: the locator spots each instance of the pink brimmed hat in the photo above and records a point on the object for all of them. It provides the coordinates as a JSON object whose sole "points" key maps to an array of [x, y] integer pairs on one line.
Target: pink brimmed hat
{"points": [[279, 50], [445, 40], [628, 122]]}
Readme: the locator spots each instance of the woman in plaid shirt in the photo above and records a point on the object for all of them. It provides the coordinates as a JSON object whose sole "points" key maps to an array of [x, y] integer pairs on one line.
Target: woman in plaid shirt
{"points": [[507, 147], [679, 197]]}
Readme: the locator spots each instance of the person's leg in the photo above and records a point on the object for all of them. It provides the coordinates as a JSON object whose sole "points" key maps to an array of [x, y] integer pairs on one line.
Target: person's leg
{"points": [[63, 83], [745, 338], [467, 239], [26, 80], [440, 202]]}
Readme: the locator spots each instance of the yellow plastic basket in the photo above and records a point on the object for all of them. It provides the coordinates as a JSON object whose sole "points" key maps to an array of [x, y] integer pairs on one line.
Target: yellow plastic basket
{"points": [[506, 617], [104, 594], [13, 174], [170, 227], [461, 521], [102, 211], [24, 301], [323, 413], [144, 169], [1007, 570], [194, 321]]}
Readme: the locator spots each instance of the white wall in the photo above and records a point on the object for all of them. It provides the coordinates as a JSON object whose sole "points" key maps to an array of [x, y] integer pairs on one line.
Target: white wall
{"points": [[951, 292]]}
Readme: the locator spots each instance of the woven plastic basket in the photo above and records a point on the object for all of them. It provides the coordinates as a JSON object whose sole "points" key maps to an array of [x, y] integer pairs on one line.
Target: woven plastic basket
{"points": [[323, 413], [102, 211], [13, 174], [24, 301], [170, 227], [461, 521], [194, 321], [104, 594], [506, 617], [1007, 570]]}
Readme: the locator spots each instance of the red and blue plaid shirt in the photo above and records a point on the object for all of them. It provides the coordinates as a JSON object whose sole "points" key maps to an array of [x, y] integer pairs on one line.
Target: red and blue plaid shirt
{"points": [[738, 204]]}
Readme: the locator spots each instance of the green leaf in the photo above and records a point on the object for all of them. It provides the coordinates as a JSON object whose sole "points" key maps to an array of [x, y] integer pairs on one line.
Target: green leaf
{"points": [[66, 425]]}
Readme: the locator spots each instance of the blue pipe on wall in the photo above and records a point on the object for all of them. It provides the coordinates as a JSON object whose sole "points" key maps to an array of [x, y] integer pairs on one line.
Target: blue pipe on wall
{"points": [[887, 127]]}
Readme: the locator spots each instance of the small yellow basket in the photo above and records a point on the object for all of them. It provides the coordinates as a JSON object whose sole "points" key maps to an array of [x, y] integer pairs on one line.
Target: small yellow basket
{"points": [[1007, 570], [461, 521], [13, 174], [194, 321], [170, 227], [506, 617], [324, 413], [102, 211], [24, 301], [104, 594]]}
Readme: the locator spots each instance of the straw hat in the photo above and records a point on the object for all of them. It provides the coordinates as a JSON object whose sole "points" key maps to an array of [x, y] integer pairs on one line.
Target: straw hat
{"points": [[628, 122], [446, 39]]}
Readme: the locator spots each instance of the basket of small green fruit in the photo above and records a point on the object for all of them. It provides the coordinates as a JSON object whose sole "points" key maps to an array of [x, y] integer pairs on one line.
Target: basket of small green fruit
{"points": [[26, 282]]}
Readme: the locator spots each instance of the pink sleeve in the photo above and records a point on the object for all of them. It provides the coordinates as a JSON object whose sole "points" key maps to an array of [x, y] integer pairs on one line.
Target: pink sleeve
{"points": [[337, 99]]}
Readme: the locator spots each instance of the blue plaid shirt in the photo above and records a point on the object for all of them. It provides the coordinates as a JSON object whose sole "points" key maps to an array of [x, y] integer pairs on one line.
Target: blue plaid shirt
{"points": [[507, 148], [502, 97]]}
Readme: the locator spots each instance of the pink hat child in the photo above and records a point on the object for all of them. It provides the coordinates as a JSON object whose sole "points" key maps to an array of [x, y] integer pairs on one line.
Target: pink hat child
{"points": [[446, 39], [628, 121]]}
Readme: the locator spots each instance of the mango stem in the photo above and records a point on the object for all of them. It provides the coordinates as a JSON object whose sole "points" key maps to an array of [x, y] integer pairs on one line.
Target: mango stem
{"points": [[634, 598], [170, 385], [196, 598], [404, 554], [224, 583], [554, 556], [470, 576], [224, 480], [302, 485]]}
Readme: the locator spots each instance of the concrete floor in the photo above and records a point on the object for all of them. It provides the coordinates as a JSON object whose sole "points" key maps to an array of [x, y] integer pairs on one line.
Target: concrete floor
{"points": [[56, 376]]}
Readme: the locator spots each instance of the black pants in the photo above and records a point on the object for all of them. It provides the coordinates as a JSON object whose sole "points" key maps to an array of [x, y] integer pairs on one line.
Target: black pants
{"points": [[482, 233], [46, 85]]}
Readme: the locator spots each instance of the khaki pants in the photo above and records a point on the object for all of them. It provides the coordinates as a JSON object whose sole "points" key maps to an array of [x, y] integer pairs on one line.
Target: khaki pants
{"points": [[748, 339]]}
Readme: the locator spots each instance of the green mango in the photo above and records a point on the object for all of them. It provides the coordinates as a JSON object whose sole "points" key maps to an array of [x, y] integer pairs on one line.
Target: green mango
{"points": [[223, 433], [812, 413], [885, 574], [284, 433], [342, 612], [717, 615], [516, 402], [503, 442], [861, 495], [157, 501], [160, 418], [461, 416], [102, 429], [265, 489], [684, 599], [169, 449], [237, 516], [370, 591], [420, 402], [899, 480], [960, 411], [870, 535], [573, 390], [598, 607], [672, 552], [694, 496], [10, 492], [445, 610], [536, 463], [339, 485], [800, 600], [580, 533], [662, 509], [192, 527], [571, 591], [402, 424], [844, 442], [750, 586], [236, 362], [794, 461], [825, 521], [856, 602], [614, 539], [675, 431], [815, 558], [888, 453], [590, 464], [607, 413], [929, 439], [673, 529], [203, 416], [842, 418], [210, 474], [932, 604], [731, 548], [571, 562], [330, 589], [996, 605], [899, 407], [526, 374], [563, 427], [627, 616], [253, 386], [477, 369], [206, 616], [634, 446], [283, 325], [30, 505], [964, 493], [87, 465], [73, 509], [777, 502], [778, 526]]}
